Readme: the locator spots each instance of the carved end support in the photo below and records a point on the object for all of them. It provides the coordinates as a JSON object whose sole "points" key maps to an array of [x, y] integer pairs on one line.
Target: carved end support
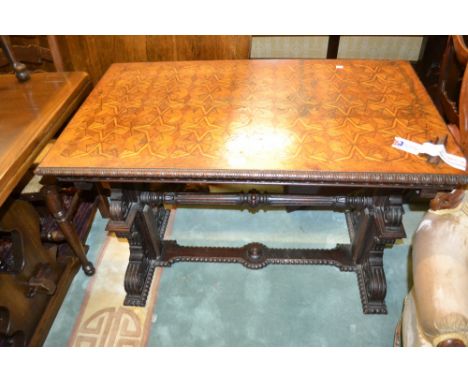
{"points": [[137, 282], [143, 226], [371, 231], [373, 287]]}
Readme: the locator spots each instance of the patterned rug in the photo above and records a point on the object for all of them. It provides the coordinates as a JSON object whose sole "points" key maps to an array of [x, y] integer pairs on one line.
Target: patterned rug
{"points": [[103, 320], [192, 304]]}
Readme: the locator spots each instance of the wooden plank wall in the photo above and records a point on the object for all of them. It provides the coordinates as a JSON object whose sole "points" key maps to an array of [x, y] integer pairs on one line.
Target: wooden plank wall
{"points": [[94, 54]]}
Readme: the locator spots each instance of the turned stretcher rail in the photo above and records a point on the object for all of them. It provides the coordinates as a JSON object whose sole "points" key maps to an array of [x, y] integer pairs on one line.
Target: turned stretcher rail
{"points": [[254, 199]]}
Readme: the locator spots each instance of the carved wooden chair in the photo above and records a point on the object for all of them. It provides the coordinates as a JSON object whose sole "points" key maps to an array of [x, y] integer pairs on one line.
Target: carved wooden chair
{"points": [[453, 89]]}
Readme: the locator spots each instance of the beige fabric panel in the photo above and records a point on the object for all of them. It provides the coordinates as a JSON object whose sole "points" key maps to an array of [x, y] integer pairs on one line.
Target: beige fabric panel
{"points": [[381, 47], [289, 47], [437, 308], [377, 47]]}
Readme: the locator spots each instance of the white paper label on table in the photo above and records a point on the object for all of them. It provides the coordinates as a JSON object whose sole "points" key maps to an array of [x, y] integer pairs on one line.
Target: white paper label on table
{"points": [[430, 149]]}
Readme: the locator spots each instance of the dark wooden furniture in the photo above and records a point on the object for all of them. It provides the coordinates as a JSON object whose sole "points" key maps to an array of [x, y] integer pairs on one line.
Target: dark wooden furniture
{"points": [[148, 128], [453, 89], [333, 46], [18, 67], [36, 263], [451, 74], [39, 53], [428, 66]]}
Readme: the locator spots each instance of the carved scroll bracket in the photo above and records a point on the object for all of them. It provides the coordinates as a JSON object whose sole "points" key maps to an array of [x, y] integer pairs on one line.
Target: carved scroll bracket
{"points": [[143, 226], [372, 230]]}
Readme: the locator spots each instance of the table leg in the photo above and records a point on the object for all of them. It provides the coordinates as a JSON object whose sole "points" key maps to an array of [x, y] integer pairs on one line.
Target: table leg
{"points": [[103, 203], [372, 229], [54, 204], [143, 226]]}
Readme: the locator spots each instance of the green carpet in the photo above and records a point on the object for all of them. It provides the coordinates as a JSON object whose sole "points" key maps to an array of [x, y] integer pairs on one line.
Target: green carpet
{"points": [[229, 305], [280, 305]]}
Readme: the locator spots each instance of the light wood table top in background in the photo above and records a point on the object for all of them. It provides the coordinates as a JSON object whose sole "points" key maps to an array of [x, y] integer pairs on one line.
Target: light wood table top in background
{"points": [[30, 114], [283, 121]]}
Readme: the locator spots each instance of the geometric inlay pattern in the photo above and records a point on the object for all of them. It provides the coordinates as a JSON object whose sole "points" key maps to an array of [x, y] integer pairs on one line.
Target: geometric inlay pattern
{"points": [[293, 115]]}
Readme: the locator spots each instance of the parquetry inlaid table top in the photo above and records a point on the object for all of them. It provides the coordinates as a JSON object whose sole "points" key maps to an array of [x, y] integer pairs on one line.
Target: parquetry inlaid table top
{"points": [[30, 114], [328, 121]]}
